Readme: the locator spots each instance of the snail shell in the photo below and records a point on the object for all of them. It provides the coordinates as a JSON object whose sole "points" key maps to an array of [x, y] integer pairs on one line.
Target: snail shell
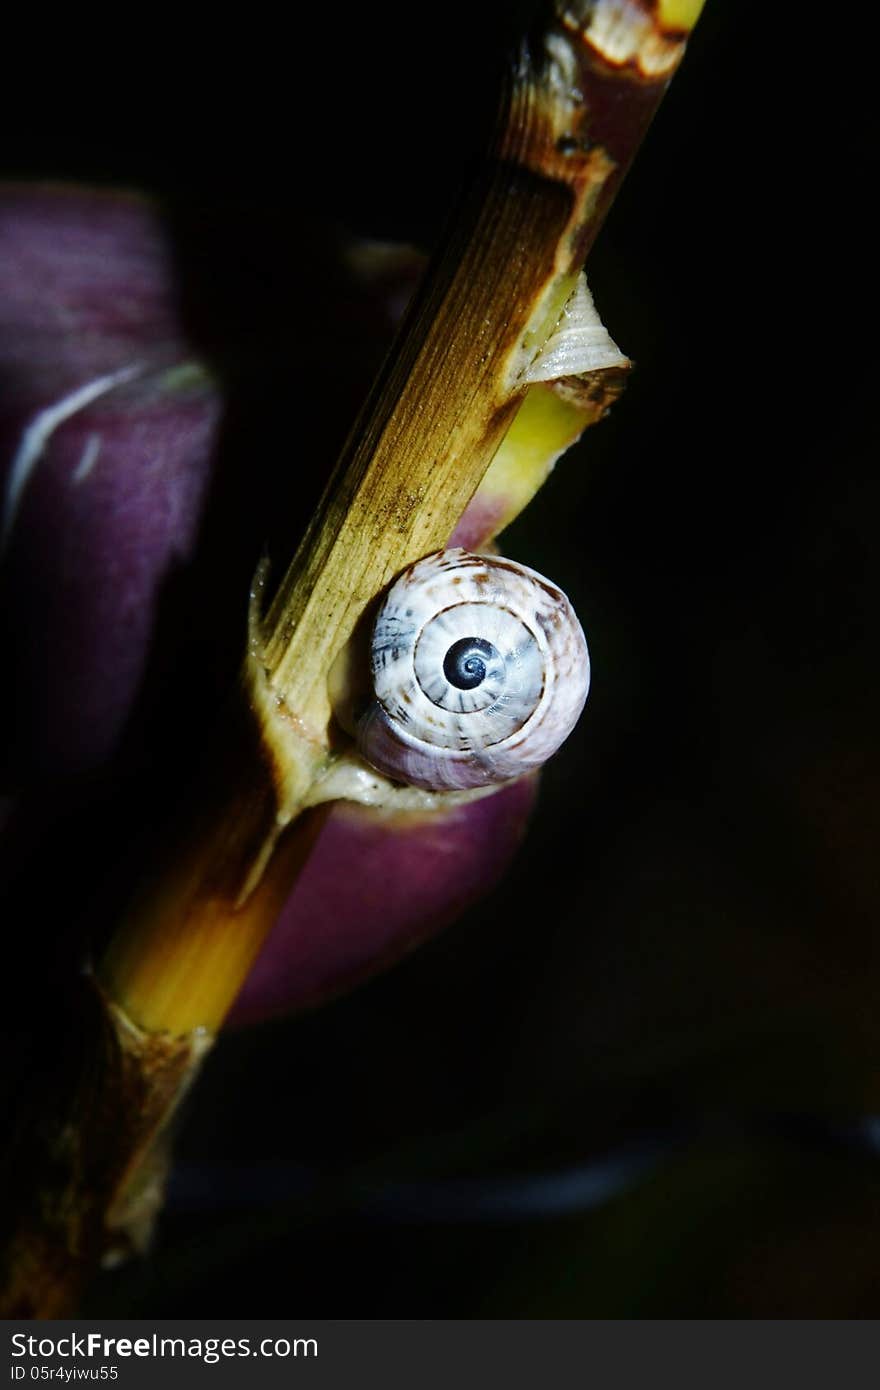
{"points": [[579, 343], [480, 671]]}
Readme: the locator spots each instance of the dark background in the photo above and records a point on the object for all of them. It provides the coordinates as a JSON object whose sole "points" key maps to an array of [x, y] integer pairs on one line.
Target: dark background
{"points": [[656, 1044]]}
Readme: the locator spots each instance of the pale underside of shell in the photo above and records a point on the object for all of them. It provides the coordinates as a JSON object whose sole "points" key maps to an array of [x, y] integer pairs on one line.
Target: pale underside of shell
{"points": [[579, 343], [480, 671]]}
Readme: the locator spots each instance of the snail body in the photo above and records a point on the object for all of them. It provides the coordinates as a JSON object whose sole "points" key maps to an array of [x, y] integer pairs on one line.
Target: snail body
{"points": [[480, 671]]}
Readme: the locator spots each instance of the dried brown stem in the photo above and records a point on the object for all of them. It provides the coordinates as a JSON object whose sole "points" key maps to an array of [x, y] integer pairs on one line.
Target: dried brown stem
{"points": [[577, 105]]}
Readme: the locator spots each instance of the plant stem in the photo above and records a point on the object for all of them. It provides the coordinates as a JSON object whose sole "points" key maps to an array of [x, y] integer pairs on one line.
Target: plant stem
{"points": [[578, 102], [569, 125]]}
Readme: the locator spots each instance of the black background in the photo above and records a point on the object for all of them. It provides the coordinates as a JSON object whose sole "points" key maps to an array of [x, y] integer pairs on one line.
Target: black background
{"points": [[684, 953]]}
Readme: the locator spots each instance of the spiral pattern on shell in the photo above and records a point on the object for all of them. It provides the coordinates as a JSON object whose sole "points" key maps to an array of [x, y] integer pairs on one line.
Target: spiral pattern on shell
{"points": [[480, 671]]}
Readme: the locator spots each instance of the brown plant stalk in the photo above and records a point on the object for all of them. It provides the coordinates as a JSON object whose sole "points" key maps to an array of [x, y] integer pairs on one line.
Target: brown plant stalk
{"points": [[578, 100]]}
